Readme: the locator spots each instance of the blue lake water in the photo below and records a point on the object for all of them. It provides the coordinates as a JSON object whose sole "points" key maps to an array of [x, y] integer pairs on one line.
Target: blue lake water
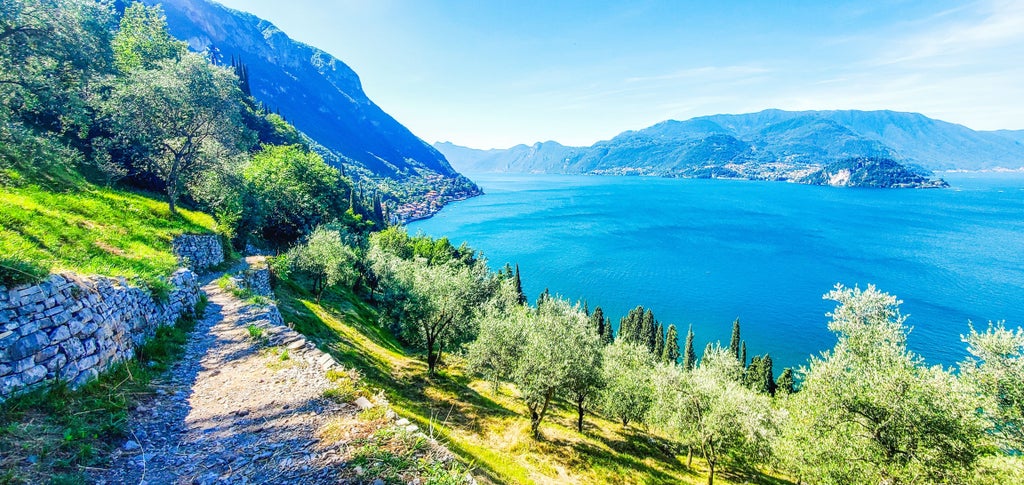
{"points": [[704, 252]]}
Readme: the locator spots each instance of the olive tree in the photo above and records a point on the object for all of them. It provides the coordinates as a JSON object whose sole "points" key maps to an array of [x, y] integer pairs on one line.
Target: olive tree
{"points": [[326, 259], [710, 410], [626, 374], [178, 118], [995, 369], [871, 402]]}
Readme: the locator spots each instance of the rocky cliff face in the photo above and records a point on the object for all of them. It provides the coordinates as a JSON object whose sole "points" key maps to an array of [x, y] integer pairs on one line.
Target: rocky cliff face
{"points": [[316, 92]]}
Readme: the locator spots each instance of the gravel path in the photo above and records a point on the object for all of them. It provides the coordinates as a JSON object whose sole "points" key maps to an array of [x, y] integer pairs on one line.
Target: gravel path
{"points": [[233, 410]]}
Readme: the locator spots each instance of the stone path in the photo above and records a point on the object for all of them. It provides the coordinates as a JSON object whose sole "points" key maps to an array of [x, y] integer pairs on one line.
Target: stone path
{"points": [[233, 410]]}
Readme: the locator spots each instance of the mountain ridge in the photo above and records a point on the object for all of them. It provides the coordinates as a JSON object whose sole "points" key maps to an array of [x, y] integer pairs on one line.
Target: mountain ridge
{"points": [[770, 145], [321, 96]]}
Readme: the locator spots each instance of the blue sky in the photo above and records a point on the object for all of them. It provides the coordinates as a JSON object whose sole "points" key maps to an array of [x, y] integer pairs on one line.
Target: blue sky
{"points": [[497, 73]]}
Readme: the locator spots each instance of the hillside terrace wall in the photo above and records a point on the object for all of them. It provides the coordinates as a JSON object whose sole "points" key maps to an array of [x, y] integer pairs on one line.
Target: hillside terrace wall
{"points": [[198, 251], [72, 328]]}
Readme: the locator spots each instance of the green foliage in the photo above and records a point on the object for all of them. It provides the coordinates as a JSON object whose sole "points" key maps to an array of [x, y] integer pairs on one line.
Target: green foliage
{"points": [[257, 334], [497, 350], [433, 306], [759, 375], [785, 383], [710, 410], [325, 259], [872, 402], [734, 339], [626, 374], [995, 369], [295, 192], [178, 118], [670, 354], [689, 356], [142, 39]]}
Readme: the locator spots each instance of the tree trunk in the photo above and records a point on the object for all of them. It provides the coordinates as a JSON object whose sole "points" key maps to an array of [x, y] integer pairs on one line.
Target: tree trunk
{"points": [[711, 473], [535, 423], [579, 408], [689, 456], [431, 356]]}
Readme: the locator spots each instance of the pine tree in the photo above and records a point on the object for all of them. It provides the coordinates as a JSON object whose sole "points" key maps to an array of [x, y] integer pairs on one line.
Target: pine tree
{"points": [[785, 383], [734, 342], [743, 354], [519, 287], [659, 341], [586, 308], [689, 357], [671, 351]]}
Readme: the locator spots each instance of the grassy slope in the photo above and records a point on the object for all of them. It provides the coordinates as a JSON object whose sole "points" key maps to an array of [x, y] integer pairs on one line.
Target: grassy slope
{"points": [[92, 230], [489, 430]]}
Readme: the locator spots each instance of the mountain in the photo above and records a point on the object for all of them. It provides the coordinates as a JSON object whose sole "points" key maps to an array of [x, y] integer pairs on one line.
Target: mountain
{"points": [[771, 145], [318, 94], [1015, 135]]}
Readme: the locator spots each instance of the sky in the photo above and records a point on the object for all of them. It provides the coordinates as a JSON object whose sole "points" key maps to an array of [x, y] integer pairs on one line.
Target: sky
{"points": [[492, 74]]}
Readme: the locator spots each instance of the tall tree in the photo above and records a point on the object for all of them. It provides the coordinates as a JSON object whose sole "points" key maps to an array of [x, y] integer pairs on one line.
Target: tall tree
{"points": [[649, 329], [689, 356], [142, 40], [670, 354], [519, 287], [785, 383], [872, 402], [597, 321], [659, 342], [178, 118], [743, 354], [734, 341], [609, 333]]}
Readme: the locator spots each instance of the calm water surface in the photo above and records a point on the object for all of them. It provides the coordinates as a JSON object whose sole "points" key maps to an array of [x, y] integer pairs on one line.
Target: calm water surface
{"points": [[704, 252]]}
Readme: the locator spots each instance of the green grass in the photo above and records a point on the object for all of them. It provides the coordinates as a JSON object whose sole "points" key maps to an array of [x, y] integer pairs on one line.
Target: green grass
{"points": [[90, 230], [486, 429], [53, 434]]}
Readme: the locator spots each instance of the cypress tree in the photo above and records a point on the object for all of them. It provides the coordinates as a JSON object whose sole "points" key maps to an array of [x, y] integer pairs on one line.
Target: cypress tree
{"points": [[586, 309], [671, 352], [544, 296], [519, 287], [767, 375], [609, 334], [734, 342], [743, 354], [597, 321], [648, 329], [785, 383], [752, 374], [659, 341], [689, 357]]}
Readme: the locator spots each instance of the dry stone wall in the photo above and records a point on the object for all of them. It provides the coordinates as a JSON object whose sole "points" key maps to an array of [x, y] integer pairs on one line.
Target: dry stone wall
{"points": [[72, 328], [198, 251]]}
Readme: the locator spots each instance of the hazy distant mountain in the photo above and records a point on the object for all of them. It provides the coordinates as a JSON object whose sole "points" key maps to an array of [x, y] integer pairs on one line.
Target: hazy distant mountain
{"points": [[771, 145], [316, 92], [1015, 135]]}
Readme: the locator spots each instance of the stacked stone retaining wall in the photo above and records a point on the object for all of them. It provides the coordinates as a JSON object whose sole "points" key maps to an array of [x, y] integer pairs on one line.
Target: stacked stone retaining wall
{"points": [[72, 328], [198, 251]]}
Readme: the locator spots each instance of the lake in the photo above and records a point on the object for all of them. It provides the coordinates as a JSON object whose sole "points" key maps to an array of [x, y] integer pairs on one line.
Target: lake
{"points": [[704, 252]]}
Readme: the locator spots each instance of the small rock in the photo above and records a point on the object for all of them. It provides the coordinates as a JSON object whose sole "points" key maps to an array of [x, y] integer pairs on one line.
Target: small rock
{"points": [[402, 422], [131, 445], [359, 470], [412, 428], [378, 482], [363, 403]]}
